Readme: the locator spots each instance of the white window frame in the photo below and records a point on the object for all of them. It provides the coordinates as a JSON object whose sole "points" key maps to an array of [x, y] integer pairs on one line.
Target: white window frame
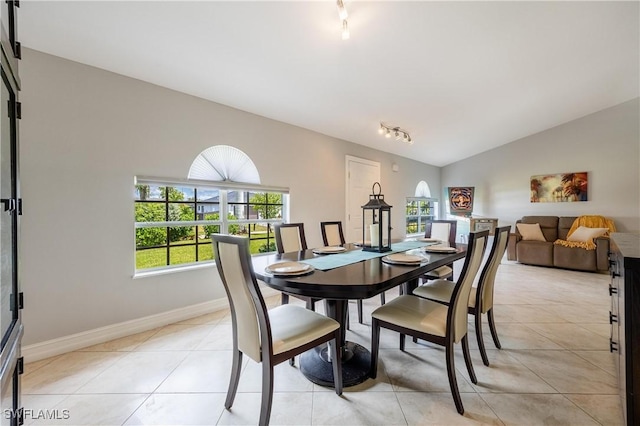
{"points": [[433, 216], [224, 222]]}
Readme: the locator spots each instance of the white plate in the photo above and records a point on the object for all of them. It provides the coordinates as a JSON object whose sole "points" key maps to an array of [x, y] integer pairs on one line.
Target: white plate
{"points": [[289, 268], [329, 250], [403, 259], [428, 240], [439, 249]]}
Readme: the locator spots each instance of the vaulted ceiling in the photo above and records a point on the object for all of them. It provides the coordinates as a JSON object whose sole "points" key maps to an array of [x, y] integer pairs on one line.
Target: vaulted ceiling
{"points": [[460, 77]]}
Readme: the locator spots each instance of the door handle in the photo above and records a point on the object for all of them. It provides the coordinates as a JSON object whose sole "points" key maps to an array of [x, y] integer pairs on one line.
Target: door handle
{"points": [[9, 204]]}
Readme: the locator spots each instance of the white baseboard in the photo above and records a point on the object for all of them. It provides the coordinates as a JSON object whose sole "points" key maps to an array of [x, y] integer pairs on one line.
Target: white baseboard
{"points": [[61, 345]]}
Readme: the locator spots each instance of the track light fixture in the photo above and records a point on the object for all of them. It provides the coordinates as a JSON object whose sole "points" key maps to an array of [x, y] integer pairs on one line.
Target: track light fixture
{"points": [[397, 132]]}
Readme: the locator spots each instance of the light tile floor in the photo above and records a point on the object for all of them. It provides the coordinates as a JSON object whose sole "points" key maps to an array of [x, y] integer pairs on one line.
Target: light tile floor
{"points": [[554, 369]]}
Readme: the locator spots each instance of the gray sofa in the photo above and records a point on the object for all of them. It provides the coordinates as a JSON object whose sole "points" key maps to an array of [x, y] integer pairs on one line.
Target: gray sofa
{"points": [[545, 253]]}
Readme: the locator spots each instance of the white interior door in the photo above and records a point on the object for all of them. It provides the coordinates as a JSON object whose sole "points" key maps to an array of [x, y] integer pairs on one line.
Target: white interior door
{"points": [[361, 174]]}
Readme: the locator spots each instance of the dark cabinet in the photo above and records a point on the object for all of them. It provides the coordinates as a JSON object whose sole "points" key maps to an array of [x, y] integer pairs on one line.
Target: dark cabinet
{"points": [[625, 319], [11, 329]]}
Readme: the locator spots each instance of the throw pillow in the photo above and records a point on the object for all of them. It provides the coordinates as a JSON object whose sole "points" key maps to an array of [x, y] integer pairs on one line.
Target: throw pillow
{"points": [[530, 231], [584, 234]]}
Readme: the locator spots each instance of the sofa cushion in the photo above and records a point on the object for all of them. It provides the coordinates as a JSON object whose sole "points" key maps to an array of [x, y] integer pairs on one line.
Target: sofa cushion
{"points": [[574, 258], [535, 252], [530, 231], [584, 234], [548, 225], [564, 225]]}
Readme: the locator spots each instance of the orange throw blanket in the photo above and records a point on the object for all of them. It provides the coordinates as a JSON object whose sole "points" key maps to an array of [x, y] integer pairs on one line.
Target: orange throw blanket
{"points": [[590, 222]]}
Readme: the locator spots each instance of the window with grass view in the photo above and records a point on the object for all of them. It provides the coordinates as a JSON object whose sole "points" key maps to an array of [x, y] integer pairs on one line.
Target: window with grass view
{"points": [[419, 210], [173, 223]]}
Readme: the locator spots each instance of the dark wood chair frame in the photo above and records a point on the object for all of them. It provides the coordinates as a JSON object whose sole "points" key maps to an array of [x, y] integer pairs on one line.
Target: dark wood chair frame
{"points": [[284, 297], [269, 359], [447, 341]]}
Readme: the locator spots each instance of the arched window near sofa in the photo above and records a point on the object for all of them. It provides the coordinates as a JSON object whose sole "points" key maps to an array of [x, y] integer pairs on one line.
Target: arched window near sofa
{"points": [[419, 209]]}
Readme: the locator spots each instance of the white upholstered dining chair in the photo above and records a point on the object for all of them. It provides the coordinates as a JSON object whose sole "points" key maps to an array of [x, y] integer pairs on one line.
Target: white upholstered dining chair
{"points": [[332, 234], [432, 321], [268, 337], [445, 231], [481, 299], [290, 238]]}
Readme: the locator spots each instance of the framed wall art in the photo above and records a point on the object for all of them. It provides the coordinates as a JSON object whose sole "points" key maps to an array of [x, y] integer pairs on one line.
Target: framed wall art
{"points": [[559, 188], [461, 200]]}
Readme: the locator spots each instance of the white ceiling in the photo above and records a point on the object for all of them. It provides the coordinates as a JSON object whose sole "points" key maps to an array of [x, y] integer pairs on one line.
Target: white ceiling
{"points": [[460, 77]]}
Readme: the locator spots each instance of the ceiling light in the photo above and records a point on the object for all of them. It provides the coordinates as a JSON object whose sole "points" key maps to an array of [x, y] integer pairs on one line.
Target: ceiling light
{"points": [[397, 132], [345, 30], [342, 12]]}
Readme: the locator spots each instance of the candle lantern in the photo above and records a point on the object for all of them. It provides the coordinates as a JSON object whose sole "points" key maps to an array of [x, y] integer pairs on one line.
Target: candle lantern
{"points": [[376, 223]]}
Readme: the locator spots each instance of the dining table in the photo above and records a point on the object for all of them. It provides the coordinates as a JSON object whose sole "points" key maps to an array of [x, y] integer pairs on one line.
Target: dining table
{"points": [[350, 274]]}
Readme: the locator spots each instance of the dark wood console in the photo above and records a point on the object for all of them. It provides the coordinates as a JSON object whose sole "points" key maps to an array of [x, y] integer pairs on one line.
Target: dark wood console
{"points": [[625, 320]]}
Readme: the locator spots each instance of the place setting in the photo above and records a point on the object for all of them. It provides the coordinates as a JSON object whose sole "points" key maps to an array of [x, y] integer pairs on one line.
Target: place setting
{"points": [[428, 240], [404, 259], [329, 250], [289, 269], [439, 249]]}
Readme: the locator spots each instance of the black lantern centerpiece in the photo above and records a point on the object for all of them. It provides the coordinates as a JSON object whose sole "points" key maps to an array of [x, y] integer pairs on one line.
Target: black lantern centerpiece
{"points": [[376, 223]]}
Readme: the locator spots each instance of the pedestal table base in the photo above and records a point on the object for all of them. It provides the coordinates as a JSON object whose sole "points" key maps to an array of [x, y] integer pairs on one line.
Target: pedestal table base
{"points": [[356, 363]]}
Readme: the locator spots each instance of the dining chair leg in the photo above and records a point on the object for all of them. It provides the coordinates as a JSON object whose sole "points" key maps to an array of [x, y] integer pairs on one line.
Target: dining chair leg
{"points": [[402, 339], [375, 344], [235, 378], [467, 359], [492, 327], [284, 298], [359, 311], [336, 360], [348, 321], [267, 393], [451, 372], [382, 298], [478, 324], [292, 361], [311, 304]]}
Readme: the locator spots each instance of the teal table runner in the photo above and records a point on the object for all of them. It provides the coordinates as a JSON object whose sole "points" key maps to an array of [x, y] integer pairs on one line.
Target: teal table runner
{"points": [[331, 261]]}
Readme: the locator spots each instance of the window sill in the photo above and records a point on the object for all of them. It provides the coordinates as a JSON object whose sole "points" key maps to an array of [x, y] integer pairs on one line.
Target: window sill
{"points": [[413, 236], [173, 269], [182, 268]]}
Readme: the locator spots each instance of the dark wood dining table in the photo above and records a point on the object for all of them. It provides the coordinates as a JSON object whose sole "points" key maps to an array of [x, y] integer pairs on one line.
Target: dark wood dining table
{"points": [[336, 287]]}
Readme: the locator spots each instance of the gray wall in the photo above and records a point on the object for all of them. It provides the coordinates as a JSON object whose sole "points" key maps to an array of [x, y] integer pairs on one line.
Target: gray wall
{"points": [[86, 133], [606, 144]]}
